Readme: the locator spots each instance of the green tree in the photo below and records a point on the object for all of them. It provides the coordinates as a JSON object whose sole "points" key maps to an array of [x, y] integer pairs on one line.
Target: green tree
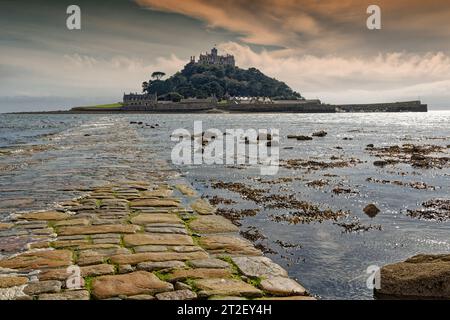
{"points": [[158, 75]]}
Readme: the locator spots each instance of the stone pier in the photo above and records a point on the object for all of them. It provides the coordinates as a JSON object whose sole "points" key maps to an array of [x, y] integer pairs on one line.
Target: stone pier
{"points": [[137, 240]]}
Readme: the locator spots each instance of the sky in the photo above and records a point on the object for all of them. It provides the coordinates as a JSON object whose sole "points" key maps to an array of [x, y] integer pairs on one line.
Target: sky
{"points": [[321, 48]]}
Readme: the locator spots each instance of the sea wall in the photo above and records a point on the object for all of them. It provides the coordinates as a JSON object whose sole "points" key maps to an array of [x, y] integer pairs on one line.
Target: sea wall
{"points": [[408, 106]]}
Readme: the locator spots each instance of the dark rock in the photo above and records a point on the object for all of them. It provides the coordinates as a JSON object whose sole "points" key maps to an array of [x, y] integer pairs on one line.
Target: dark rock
{"points": [[321, 133], [371, 210]]}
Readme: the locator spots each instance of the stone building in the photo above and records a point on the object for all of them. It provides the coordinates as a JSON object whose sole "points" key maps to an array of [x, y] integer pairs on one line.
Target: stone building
{"points": [[214, 58], [141, 101]]}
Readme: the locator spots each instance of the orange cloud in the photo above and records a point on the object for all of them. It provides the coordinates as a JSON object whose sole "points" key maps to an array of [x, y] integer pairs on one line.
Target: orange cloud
{"points": [[310, 23]]}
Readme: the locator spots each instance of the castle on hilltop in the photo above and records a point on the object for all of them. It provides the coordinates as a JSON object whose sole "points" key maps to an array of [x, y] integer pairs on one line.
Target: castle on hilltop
{"points": [[214, 59]]}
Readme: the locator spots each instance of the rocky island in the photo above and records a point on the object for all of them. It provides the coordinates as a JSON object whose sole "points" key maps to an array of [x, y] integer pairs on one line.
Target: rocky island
{"points": [[215, 84]]}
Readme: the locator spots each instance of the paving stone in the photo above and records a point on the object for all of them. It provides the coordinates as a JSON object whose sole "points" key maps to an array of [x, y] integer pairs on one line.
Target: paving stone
{"points": [[226, 298], [150, 248], [45, 215], [289, 298], [36, 288], [186, 248], [177, 295], [38, 259], [102, 222], [72, 238], [167, 230], [258, 267], [66, 295], [149, 218], [12, 281], [125, 268], [282, 286], [154, 203], [54, 274], [201, 206], [226, 287], [209, 263], [106, 236], [30, 226], [39, 245], [233, 245], [186, 190], [72, 222], [157, 256], [181, 286], [87, 230], [166, 265], [107, 241], [200, 273], [98, 246], [140, 239], [132, 284], [89, 257], [38, 232], [97, 270], [212, 224], [141, 297], [68, 243], [159, 193]]}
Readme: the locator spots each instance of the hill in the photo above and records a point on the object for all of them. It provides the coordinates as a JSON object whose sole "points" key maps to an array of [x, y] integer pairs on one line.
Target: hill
{"points": [[202, 81]]}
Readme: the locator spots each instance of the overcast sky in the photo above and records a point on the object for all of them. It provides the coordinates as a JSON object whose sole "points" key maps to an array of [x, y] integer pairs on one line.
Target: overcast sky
{"points": [[321, 48]]}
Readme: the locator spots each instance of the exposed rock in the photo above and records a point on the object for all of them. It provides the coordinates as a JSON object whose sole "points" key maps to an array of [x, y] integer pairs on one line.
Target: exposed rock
{"points": [[39, 259], [140, 239], [157, 256], [132, 284], [212, 224], [201, 206], [226, 287], [209, 263], [299, 137], [422, 276], [12, 281], [150, 218], [116, 228], [228, 244], [321, 133], [259, 267], [371, 210], [177, 295], [281, 286], [200, 273], [66, 295], [45, 215], [36, 288]]}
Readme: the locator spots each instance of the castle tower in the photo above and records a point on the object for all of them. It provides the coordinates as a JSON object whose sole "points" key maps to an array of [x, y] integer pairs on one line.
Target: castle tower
{"points": [[214, 52]]}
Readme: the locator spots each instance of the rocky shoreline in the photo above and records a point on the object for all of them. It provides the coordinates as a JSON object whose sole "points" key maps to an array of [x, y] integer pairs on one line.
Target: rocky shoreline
{"points": [[137, 240]]}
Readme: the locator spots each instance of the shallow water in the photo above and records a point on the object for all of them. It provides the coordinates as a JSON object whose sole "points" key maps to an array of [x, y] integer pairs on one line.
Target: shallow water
{"points": [[81, 150]]}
